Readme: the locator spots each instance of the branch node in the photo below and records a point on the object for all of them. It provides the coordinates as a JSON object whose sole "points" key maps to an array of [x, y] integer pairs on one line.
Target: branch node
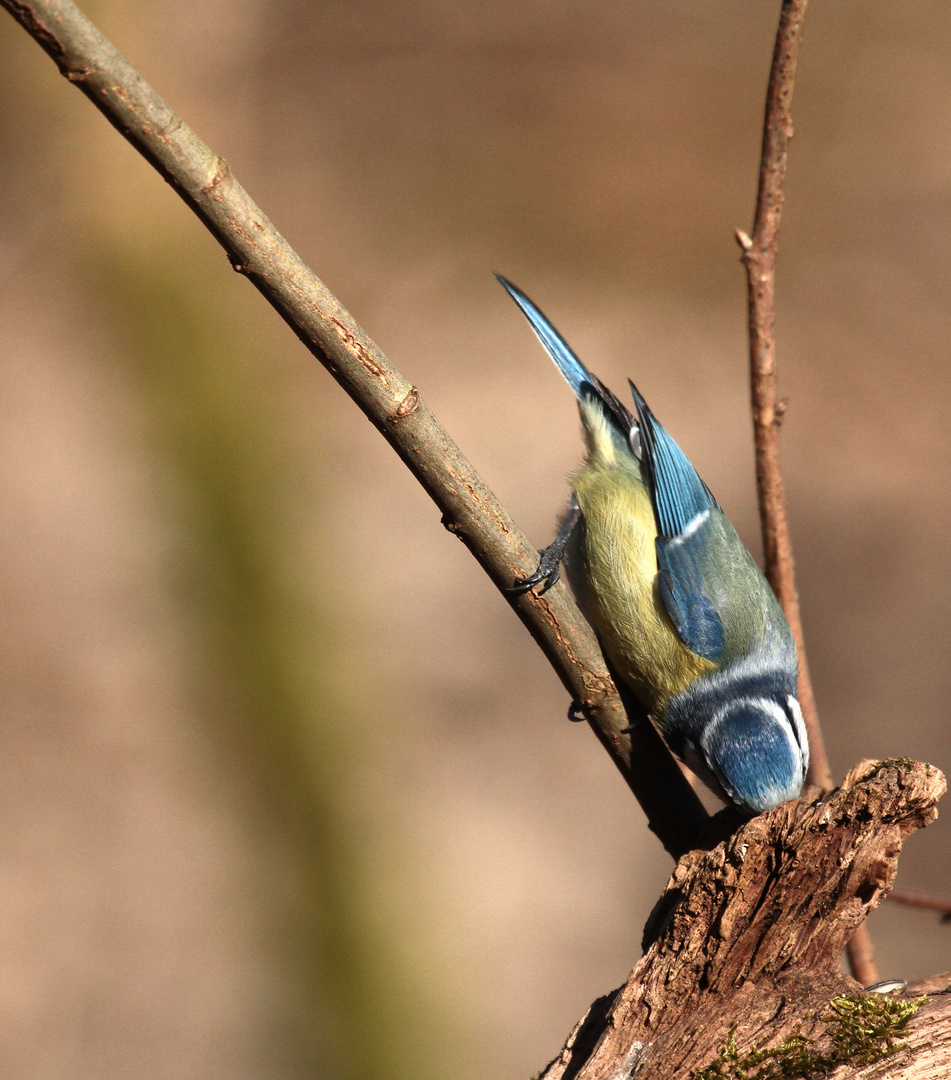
{"points": [[408, 405], [173, 125], [452, 526], [218, 177], [240, 267]]}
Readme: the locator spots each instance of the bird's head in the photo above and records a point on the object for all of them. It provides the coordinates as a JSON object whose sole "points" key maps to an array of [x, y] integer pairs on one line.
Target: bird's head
{"points": [[745, 737], [756, 749]]}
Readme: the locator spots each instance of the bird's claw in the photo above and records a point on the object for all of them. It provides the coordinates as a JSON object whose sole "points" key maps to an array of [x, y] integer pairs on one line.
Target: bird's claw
{"points": [[547, 574]]}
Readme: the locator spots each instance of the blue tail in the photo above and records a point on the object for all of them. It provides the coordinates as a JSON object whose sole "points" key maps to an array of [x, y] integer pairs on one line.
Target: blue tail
{"points": [[579, 378]]}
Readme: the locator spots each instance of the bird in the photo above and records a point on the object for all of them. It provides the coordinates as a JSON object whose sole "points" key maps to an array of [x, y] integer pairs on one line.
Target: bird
{"points": [[691, 629]]}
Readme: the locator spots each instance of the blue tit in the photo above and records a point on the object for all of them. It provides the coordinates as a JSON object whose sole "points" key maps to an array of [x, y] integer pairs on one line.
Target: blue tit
{"points": [[685, 617]]}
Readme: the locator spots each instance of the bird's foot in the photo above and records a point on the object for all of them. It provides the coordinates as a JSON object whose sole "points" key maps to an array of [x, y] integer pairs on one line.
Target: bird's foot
{"points": [[548, 572]]}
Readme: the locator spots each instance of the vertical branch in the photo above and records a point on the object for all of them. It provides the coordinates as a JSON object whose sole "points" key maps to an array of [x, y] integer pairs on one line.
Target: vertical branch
{"points": [[759, 259]]}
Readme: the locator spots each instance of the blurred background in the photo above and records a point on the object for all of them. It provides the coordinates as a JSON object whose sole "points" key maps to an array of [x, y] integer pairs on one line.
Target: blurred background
{"points": [[285, 789]]}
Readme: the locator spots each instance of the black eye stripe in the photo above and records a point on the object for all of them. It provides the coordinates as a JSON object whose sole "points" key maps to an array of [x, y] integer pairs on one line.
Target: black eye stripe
{"points": [[788, 709]]}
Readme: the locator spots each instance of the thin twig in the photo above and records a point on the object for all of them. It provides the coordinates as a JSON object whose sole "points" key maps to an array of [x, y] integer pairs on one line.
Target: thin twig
{"points": [[392, 404], [921, 900], [759, 258]]}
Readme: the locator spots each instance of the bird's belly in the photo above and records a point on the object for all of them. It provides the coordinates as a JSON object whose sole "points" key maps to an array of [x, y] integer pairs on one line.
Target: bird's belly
{"points": [[617, 560]]}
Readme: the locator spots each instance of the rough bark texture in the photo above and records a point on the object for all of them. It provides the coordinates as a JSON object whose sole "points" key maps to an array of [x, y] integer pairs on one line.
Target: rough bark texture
{"points": [[747, 939]]}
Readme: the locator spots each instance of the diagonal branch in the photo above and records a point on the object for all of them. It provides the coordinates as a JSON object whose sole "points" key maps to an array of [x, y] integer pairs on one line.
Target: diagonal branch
{"points": [[393, 405]]}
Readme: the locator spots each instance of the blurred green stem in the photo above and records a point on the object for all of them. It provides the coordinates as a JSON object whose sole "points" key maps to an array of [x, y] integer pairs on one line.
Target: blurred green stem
{"points": [[393, 405]]}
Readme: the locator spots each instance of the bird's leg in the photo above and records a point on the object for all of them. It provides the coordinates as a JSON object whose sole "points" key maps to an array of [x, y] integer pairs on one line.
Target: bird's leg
{"points": [[549, 566]]}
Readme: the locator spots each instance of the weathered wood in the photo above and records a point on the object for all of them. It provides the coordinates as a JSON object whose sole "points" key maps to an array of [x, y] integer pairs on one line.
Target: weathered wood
{"points": [[746, 938]]}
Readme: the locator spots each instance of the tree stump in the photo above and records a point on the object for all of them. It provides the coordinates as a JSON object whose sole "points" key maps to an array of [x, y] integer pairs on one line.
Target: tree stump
{"points": [[741, 976]]}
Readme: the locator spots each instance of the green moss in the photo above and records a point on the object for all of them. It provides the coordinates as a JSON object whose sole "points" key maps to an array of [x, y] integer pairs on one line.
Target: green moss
{"points": [[896, 763], [863, 1029]]}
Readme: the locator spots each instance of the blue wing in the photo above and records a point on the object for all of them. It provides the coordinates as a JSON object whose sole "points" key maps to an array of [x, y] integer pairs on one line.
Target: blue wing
{"points": [[680, 583], [683, 509], [680, 497]]}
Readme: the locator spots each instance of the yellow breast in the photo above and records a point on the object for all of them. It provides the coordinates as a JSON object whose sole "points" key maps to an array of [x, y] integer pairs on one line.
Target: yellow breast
{"points": [[619, 564]]}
